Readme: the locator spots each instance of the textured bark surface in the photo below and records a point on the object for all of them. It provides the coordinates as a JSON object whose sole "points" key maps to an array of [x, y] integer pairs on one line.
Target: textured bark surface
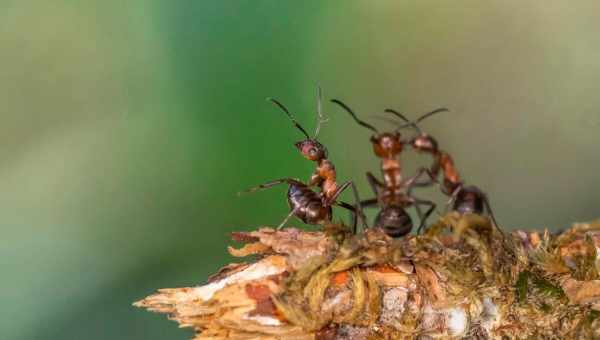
{"points": [[461, 279]]}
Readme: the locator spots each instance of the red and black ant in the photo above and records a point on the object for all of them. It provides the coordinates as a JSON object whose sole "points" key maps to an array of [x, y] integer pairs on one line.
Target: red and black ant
{"points": [[391, 194], [463, 199], [309, 206]]}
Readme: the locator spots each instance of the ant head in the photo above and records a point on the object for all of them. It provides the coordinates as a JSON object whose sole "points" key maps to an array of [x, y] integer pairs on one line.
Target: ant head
{"points": [[387, 144], [312, 150], [424, 143]]}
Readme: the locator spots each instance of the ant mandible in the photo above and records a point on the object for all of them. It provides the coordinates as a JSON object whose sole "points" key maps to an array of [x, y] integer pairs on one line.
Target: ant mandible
{"points": [[391, 194], [309, 206]]}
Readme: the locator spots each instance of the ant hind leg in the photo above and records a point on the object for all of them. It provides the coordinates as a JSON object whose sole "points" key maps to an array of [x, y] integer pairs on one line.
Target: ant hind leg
{"points": [[286, 219], [359, 210], [370, 203], [488, 207], [425, 216], [353, 214]]}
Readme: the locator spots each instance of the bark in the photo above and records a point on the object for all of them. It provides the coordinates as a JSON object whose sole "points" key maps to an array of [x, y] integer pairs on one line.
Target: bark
{"points": [[461, 279]]}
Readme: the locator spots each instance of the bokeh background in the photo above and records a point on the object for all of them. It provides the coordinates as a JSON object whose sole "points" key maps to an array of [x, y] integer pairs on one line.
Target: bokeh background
{"points": [[127, 127]]}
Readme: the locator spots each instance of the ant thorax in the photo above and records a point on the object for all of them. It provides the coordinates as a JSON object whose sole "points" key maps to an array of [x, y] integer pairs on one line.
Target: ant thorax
{"points": [[391, 170], [449, 171], [325, 177]]}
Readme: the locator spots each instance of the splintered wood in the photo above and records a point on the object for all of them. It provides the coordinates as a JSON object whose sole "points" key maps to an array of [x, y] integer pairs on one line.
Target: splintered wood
{"points": [[470, 282]]}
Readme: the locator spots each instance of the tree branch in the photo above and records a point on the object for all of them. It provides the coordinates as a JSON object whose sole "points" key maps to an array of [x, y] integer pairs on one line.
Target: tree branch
{"points": [[461, 279]]}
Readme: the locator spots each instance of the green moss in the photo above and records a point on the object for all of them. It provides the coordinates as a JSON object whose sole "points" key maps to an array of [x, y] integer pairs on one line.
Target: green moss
{"points": [[522, 285]]}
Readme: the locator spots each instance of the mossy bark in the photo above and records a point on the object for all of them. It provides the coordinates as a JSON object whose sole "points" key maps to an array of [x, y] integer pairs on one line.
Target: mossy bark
{"points": [[460, 279]]}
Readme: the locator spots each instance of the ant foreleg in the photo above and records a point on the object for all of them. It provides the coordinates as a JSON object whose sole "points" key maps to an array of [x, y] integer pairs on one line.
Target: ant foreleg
{"points": [[268, 185], [315, 180], [413, 181]]}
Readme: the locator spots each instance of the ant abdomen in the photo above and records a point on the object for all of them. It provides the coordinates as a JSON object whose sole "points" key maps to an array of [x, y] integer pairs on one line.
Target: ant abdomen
{"points": [[307, 204], [469, 200], [394, 220]]}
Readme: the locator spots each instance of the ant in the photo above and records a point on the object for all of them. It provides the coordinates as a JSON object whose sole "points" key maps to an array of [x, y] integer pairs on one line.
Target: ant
{"points": [[463, 199], [309, 206], [390, 194]]}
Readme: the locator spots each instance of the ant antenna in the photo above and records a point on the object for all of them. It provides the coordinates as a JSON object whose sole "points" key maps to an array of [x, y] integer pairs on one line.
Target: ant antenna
{"points": [[420, 119], [320, 117], [284, 109], [385, 119], [360, 122], [429, 114], [397, 114], [408, 122]]}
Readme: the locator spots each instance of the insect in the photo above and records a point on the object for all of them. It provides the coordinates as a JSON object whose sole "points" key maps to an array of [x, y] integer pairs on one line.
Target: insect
{"points": [[463, 199], [391, 194], [310, 206]]}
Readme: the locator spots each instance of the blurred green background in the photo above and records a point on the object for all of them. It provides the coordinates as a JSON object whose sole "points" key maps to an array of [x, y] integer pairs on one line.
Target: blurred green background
{"points": [[128, 127]]}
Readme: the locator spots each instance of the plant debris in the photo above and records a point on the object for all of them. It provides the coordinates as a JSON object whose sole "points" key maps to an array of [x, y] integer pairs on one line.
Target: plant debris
{"points": [[460, 279]]}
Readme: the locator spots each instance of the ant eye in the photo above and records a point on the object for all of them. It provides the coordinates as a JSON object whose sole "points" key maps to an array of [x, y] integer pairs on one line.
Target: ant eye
{"points": [[312, 151]]}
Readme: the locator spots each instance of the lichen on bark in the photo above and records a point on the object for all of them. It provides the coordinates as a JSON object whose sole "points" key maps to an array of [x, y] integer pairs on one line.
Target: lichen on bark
{"points": [[460, 279]]}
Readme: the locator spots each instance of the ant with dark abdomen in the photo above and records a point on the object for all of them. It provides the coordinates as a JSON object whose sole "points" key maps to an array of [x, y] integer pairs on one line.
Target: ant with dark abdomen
{"points": [[463, 199], [391, 194], [309, 206]]}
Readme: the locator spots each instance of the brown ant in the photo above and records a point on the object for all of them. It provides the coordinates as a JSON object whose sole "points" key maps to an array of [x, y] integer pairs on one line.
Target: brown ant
{"points": [[309, 206], [391, 193], [463, 199]]}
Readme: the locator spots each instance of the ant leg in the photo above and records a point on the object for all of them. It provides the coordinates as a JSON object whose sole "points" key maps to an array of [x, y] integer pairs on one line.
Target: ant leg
{"points": [[370, 203], [287, 218], [412, 200], [486, 202], [315, 180], [452, 199], [359, 210], [268, 185], [427, 213], [374, 183], [353, 213], [419, 212], [412, 181]]}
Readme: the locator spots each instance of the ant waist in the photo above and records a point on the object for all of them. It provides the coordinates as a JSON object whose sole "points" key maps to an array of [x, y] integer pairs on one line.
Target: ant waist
{"points": [[397, 198]]}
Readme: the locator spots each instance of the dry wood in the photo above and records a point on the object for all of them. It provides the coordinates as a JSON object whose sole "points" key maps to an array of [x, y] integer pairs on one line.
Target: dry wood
{"points": [[461, 279]]}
